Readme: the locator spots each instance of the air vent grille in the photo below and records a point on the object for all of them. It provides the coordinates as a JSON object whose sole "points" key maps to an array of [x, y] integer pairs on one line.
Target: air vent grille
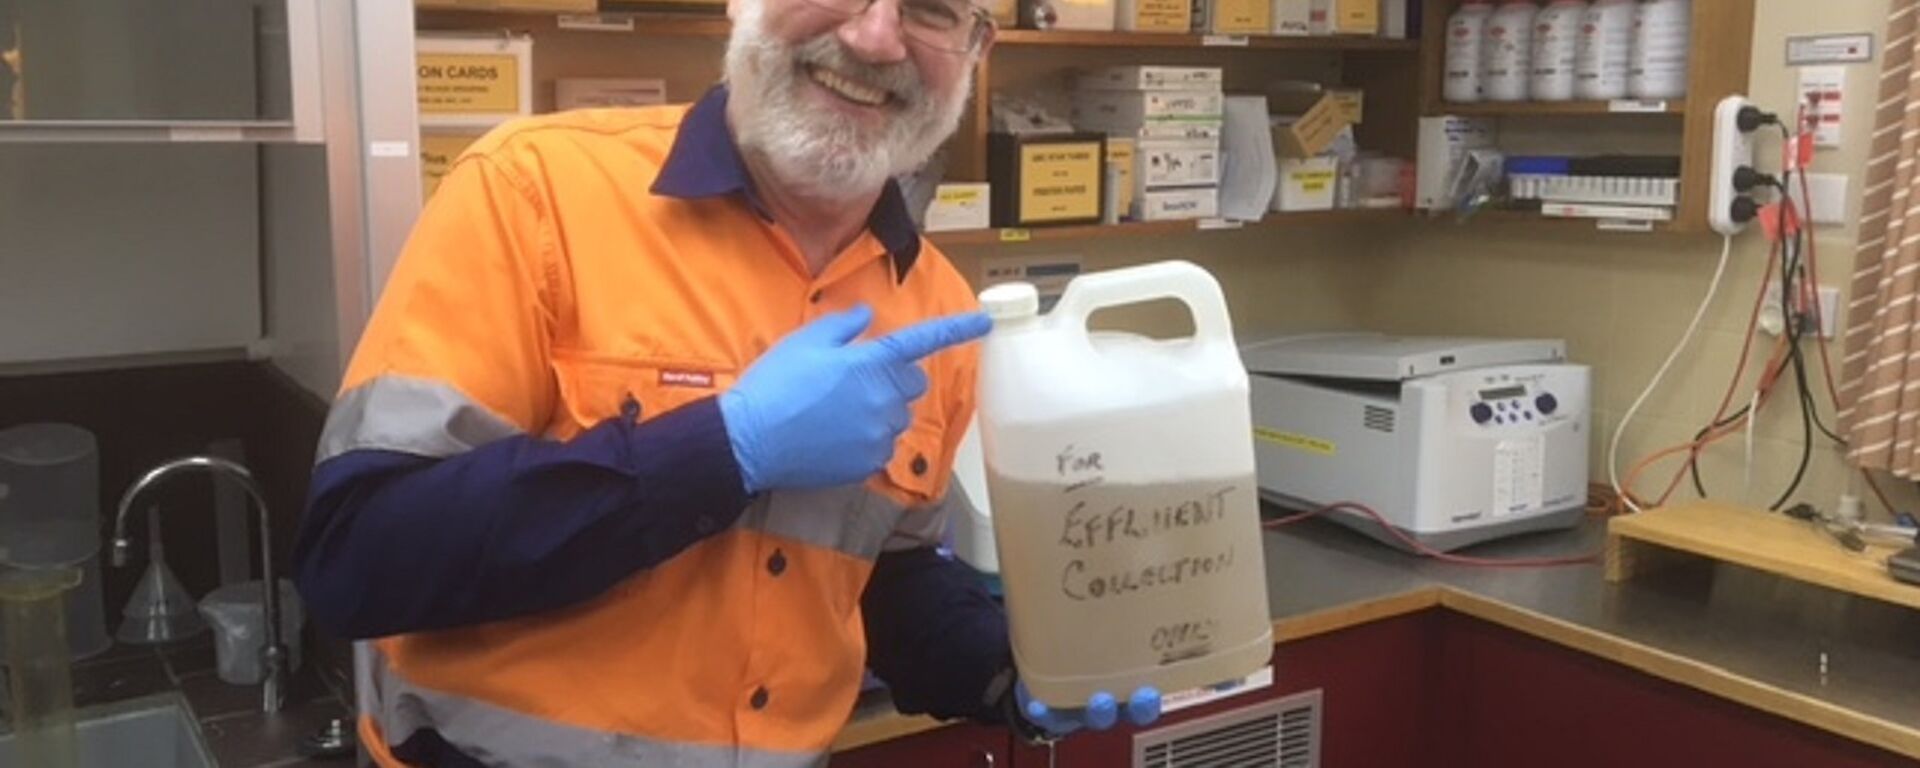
{"points": [[1284, 732], [1378, 418]]}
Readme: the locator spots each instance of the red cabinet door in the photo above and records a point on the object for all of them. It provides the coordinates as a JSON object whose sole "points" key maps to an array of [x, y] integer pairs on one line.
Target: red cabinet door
{"points": [[954, 746]]}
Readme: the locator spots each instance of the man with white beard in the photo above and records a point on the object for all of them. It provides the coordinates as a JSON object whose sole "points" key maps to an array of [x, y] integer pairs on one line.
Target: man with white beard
{"points": [[644, 455]]}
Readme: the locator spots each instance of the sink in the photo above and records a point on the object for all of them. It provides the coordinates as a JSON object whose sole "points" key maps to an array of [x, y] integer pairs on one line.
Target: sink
{"points": [[152, 731]]}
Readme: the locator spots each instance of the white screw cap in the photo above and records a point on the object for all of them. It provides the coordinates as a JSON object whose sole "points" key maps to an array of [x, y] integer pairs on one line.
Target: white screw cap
{"points": [[1010, 301]]}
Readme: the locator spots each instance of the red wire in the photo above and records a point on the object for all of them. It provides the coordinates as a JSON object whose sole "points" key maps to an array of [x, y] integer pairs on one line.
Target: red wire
{"points": [[1415, 545], [1826, 360]]}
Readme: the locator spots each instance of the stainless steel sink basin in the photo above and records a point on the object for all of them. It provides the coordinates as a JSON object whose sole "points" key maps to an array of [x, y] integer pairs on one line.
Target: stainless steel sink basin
{"points": [[152, 732]]}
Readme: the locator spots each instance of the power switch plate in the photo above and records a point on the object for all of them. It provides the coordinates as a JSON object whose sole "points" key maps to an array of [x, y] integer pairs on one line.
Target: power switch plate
{"points": [[1773, 322], [1827, 197]]}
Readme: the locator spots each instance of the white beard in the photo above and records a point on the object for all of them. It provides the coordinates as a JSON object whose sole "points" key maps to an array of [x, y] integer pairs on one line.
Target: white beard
{"points": [[818, 153]]}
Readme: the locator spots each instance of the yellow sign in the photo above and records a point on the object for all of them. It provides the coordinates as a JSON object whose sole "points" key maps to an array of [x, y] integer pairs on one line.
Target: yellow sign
{"points": [[1059, 181], [1296, 441], [1163, 15], [437, 152], [1312, 181], [1018, 235], [1242, 17], [1120, 156], [469, 83]]}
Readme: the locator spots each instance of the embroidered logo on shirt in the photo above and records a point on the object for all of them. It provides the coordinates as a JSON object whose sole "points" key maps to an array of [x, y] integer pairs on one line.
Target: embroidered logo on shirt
{"points": [[681, 378]]}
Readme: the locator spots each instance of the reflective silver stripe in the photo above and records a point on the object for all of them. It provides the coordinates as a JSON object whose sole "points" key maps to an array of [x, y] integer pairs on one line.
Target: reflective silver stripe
{"points": [[496, 735], [410, 415], [848, 518], [927, 526]]}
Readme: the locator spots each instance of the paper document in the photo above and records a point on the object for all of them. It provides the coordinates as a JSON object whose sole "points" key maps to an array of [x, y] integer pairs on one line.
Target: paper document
{"points": [[1249, 172]]}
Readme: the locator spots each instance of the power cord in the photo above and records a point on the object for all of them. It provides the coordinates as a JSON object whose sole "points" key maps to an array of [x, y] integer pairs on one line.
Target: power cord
{"points": [[1415, 544]]}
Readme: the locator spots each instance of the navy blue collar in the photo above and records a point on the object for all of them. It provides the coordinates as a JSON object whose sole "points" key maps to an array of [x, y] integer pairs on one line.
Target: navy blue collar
{"points": [[704, 162]]}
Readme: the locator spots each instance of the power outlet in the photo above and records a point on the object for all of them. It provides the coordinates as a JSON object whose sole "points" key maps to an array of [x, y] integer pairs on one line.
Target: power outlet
{"points": [[1774, 321], [1732, 148]]}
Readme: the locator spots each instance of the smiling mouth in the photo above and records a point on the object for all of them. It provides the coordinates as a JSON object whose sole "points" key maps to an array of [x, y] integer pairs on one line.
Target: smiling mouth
{"points": [[847, 88]]}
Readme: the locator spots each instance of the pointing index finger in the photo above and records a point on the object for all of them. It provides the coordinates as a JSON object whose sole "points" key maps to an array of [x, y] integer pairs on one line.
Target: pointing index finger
{"points": [[916, 341]]}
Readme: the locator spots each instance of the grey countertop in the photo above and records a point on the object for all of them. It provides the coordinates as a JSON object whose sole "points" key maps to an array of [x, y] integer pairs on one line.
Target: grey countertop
{"points": [[1748, 635], [1857, 654]]}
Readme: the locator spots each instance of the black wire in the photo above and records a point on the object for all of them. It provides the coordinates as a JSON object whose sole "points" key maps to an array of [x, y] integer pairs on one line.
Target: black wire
{"points": [[1789, 268], [1693, 458]]}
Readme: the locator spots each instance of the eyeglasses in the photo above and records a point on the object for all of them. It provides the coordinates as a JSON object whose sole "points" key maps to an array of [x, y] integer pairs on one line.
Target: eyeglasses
{"points": [[954, 26]]}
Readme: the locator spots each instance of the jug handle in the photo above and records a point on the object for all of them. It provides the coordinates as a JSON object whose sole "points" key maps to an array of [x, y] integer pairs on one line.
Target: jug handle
{"points": [[1177, 279]]}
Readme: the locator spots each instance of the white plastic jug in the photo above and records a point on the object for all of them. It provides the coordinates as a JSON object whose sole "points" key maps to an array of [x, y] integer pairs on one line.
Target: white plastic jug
{"points": [[1121, 474]]}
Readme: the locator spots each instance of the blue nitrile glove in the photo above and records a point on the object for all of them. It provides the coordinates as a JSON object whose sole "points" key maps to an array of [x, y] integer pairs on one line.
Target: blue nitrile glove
{"points": [[819, 410], [1101, 712]]}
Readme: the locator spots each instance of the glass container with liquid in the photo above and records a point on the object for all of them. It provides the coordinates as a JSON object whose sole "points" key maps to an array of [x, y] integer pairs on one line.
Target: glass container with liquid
{"points": [[1120, 471]]}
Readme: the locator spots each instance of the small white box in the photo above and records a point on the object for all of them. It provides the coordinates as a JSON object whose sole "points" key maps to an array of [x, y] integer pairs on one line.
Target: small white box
{"points": [[590, 92], [1292, 17], [1176, 163], [1087, 15], [960, 206], [1443, 144], [1135, 107], [1150, 78], [1175, 204], [1306, 184]]}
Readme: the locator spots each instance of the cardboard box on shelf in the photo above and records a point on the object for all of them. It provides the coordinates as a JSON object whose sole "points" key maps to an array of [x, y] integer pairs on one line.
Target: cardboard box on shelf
{"points": [[1149, 77], [1443, 145], [1121, 159], [1292, 17], [1344, 17], [960, 206], [1155, 15], [1311, 133], [1128, 108], [1233, 17], [438, 150], [537, 6], [473, 80], [1046, 178], [1176, 204], [1306, 184], [590, 92], [1177, 163], [1085, 15]]}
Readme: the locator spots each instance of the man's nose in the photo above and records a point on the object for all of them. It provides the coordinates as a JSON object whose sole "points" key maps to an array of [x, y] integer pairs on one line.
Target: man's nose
{"points": [[875, 36]]}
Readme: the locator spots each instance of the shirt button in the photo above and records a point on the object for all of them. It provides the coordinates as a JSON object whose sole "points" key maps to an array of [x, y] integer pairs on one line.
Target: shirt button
{"points": [[630, 407], [815, 297], [777, 564], [704, 524], [759, 700], [919, 465]]}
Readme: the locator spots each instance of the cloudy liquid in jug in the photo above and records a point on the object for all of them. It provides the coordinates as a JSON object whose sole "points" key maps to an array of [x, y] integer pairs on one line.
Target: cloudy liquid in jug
{"points": [[1117, 585]]}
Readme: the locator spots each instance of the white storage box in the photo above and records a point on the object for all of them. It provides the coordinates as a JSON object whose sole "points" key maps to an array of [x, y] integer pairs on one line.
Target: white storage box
{"points": [[960, 206], [1137, 107], [1150, 78], [1176, 163], [1306, 184], [1174, 204], [1292, 17]]}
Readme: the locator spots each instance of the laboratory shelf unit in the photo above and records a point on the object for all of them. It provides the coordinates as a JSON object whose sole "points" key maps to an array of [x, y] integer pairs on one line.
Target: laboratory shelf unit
{"points": [[1720, 47], [1154, 228], [1119, 39]]}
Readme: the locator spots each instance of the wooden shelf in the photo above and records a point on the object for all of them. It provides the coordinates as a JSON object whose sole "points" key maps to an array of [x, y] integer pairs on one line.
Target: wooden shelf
{"points": [[1153, 228], [1545, 108], [1059, 37], [1751, 538], [1502, 216]]}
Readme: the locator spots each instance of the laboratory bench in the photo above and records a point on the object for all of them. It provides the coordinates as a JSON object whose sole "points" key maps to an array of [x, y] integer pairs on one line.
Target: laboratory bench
{"points": [[1419, 662]]}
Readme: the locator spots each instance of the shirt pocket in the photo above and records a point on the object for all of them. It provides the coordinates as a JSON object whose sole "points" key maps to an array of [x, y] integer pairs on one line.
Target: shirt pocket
{"points": [[596, 387]]}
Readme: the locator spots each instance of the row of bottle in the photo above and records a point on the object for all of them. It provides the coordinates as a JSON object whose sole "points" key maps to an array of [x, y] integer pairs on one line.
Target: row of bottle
{"points": [[1604, 49]]}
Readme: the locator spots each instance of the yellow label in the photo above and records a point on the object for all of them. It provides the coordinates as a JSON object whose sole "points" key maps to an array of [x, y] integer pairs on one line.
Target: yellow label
{"points": [[1060, 181], [956, 195], [469, 83], [1163, 15], [437, 152], [1251, 17], [1015, 235], [1312, 181], [1120, 156], [1296, 441]]}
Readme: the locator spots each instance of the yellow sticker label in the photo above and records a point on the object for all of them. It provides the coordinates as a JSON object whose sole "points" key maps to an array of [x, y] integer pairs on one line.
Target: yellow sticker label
{"points": [[958, 195], [1060, 181], [437, 152], [469, 83], [1297, 441], [1015, 235]]}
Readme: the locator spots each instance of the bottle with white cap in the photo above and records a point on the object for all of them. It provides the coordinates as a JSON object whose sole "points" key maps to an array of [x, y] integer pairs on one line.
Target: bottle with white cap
{"points": [[1604, 50], [1466, 28], [1506, 51], [1120, 470], [1556, 34], [1658, 69]]}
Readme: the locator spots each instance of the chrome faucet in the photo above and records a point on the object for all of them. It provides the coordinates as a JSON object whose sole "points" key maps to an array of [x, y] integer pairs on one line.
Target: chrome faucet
{"points": [[273, 656]]}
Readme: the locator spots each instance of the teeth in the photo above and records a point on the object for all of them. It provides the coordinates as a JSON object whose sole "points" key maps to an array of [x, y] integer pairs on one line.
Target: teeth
{"points": [[853, 91]]}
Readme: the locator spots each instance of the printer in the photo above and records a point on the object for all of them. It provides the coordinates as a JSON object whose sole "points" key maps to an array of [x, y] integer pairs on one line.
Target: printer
{"points": [[1454, 441]]}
